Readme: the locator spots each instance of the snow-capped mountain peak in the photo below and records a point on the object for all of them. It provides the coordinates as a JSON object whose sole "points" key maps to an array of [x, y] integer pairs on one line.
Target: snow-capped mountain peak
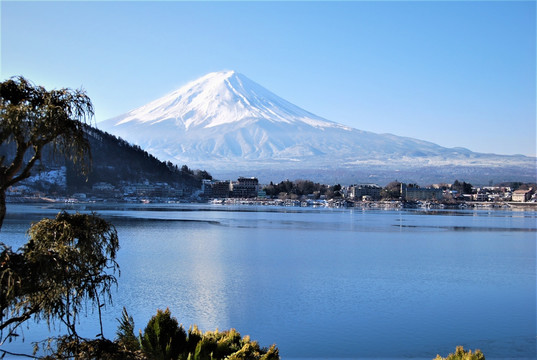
{"points": [[220, 98], [224, 121]]}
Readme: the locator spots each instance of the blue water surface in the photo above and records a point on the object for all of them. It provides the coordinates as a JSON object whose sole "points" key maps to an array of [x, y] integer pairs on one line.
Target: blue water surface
{"points": [[323, 283]]}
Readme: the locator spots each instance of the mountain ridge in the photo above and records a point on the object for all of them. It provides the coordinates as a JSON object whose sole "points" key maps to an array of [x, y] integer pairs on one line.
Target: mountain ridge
{"points": [[225, 121]]}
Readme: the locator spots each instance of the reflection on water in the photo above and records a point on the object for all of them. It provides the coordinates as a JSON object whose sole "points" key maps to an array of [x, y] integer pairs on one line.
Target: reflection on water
{"points": [[330, 283], [207, 278]]}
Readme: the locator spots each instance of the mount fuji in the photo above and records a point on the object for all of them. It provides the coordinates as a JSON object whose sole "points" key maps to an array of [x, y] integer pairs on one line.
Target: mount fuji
{"points": [[229, 125]]}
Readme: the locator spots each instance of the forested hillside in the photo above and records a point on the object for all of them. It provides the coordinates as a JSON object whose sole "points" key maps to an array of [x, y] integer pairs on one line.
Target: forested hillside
{"points": [[116, 162]]}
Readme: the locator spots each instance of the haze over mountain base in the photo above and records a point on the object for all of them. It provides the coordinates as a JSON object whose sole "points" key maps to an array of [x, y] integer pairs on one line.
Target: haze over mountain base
{"points": [[383, 175]]}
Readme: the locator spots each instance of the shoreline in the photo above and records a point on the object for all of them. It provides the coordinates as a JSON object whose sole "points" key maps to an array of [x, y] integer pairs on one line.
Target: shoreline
{"points": [[364, 205]]}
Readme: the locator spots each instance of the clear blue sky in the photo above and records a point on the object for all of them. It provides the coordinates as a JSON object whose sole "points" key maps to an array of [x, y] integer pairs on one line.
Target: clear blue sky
{"points": [[455, 73]]}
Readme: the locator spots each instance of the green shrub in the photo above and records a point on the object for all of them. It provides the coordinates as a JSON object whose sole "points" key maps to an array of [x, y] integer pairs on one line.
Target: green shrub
{"points": [[228, 343], [163, 338], [205, 348], [194, 336], [460, 354], [125, 333]]}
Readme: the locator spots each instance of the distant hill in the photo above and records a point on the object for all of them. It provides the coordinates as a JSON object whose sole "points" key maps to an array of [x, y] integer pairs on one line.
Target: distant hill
{"points": [[114, 161]]}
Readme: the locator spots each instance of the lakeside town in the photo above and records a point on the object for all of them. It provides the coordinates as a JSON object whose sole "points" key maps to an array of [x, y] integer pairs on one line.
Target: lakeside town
{"points": [[51, 186]]}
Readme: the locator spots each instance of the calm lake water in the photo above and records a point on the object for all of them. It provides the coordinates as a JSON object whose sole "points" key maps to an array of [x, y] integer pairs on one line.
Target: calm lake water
{"points": [[328, 283]]}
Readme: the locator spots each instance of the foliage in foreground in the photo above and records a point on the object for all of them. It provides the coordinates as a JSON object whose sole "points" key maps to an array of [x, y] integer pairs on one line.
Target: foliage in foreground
{"points": [[68, 347], [68, 263], [163, 338], [461, 354]]}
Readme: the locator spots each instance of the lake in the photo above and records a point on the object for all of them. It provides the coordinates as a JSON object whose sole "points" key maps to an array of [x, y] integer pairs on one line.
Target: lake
{"points": [[323, 283]]}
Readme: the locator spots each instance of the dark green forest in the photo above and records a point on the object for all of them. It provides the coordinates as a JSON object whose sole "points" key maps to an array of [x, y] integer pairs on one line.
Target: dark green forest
{"points": [[114, 160]]}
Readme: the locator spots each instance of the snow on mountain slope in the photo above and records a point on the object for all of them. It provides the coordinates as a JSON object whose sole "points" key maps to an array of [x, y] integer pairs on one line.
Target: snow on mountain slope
{"points": [[221, 98], [224, 120]]}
